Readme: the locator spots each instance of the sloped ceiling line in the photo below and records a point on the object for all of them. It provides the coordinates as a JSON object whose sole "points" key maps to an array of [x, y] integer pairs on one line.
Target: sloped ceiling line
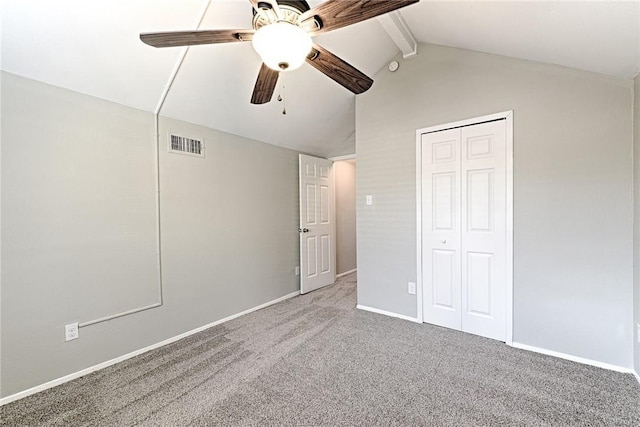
{"points": [[179, 62]]}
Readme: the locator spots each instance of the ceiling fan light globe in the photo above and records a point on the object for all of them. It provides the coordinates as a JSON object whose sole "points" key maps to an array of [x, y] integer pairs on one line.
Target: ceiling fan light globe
{"points": [[282, 45]]}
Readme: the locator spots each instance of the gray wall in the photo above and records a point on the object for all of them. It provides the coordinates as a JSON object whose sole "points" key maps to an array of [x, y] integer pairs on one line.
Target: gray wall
{"points": [[573, 208], [78, 238], [345, 173], [636, 225]]}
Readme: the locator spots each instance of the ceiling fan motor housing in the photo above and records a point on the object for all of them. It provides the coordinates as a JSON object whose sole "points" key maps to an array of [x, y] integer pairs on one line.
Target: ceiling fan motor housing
{"points": [[290, 9]]}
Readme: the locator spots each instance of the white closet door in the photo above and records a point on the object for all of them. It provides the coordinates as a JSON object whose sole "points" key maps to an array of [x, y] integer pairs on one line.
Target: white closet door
{"points": [[441, 228], [484, 229], [464, 228]]}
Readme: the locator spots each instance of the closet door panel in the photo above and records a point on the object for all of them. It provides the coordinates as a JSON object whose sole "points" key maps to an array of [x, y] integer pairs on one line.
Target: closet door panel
{"points": [[441, 228], [483, 217]]}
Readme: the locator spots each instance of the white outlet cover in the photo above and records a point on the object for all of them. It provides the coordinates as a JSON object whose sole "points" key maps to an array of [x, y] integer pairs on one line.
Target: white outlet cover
{"points": [[71, 332], [369, 199]]}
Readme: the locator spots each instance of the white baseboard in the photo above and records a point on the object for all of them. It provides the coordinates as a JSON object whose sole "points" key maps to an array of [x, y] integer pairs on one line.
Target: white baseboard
{"points": [[575, 359], [387, 313], [636, 375], [108, 363], [345, 273]]}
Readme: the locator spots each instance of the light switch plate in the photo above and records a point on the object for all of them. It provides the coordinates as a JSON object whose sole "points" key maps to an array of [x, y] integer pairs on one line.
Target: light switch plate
{"points": [[411, 288], [369, 199]]}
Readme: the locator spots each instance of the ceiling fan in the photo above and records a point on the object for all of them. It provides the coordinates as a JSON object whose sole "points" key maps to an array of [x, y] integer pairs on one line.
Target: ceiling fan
{"points": [[281, 35]]}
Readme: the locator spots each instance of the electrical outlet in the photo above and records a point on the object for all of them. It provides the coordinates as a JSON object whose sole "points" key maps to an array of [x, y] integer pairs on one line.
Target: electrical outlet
{"points": [[297, 270], [369, 200], [71, 332], [411, 288]]}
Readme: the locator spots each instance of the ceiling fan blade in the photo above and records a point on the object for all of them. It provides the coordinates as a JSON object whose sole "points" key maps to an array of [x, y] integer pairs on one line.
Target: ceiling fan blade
{"points": [[334, 14], [189, 38], [265, 85], [338, 70]]}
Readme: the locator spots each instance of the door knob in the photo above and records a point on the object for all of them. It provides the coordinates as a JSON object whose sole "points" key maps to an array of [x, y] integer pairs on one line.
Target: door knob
{"points": [[303, 230], [444, 241]]}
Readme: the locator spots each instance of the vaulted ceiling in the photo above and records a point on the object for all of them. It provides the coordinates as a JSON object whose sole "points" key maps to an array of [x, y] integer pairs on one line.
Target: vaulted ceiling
{"points": [[93, 47]]}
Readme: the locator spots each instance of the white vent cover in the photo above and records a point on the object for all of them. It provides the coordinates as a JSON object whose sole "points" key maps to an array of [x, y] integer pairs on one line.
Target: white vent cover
{"points": [[184, 145]]}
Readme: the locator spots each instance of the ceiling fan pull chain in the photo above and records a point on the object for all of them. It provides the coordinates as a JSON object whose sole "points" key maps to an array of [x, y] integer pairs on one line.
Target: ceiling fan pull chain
{"points": [[283, 98], [284, 102]]}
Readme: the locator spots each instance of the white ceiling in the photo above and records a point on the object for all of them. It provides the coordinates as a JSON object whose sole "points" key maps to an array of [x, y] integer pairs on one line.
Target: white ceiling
{"points": [[93, 47]]}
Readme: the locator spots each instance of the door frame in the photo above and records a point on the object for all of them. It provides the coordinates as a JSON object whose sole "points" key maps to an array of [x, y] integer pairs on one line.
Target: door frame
{"points": [[508, 116]]}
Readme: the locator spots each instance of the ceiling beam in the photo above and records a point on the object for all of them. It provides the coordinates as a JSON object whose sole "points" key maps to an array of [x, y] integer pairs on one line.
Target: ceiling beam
{"points": [[397, 28]]}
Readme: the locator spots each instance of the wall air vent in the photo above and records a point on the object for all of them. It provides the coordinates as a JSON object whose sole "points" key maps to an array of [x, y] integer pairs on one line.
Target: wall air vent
{"points": [[183, 145]]}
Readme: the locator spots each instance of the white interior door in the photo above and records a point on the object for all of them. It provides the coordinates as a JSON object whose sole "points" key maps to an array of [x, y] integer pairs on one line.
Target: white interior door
{"points": [[317, 225], [441, 216], [464, 235], [484, 229]]}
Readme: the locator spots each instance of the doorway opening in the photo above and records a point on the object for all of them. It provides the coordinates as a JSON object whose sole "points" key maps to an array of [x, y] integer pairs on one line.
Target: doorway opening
{"points": [[345, 202], [327, 220]]}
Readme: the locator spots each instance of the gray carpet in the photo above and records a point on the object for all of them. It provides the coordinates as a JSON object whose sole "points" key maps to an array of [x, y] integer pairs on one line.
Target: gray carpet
{"points": [[315, 360]]}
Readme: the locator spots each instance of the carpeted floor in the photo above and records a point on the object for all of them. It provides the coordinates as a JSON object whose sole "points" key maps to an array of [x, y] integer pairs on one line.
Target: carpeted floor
{"points": [[316, 360]]}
